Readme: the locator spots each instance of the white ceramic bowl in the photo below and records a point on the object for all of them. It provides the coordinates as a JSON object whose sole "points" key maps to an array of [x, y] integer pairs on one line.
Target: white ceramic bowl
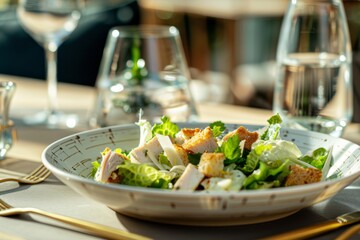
{"points": [[69, 159]]}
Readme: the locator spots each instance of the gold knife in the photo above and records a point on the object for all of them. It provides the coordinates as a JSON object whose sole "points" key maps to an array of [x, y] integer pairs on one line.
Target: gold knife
{"points": [[317, 229], [6, 236]]}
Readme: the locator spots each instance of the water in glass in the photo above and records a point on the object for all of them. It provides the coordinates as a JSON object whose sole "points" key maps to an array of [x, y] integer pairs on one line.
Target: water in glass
{"points": [[313, 88]]}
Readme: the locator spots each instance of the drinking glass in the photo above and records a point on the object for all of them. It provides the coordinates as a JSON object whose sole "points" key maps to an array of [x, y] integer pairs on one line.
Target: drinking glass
{"points": [[50, 22], [143, 71], [7, 128], [313, 89]]}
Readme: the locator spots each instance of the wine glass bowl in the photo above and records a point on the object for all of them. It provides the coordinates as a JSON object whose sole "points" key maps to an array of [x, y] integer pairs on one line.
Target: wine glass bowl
{"points": [[49, 22], [143, 69]]}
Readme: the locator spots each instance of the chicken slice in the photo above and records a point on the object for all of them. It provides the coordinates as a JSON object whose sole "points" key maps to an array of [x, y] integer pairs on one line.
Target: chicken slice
{"points": [[190, 179], [141, 154], [108, 165]]}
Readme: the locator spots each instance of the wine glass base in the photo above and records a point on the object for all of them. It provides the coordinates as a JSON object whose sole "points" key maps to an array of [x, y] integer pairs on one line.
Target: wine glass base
{"points": [[55, 120]]}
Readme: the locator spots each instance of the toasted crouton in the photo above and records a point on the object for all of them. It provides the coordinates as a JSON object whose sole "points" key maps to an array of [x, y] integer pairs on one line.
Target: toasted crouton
{"points": [[185, 134], [203, 141], [190, 132], [211, 164], [181, 152], [301, 176], [244, 134]]}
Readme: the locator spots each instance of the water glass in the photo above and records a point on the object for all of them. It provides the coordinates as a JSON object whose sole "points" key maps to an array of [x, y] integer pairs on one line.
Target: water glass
{"points": [[313, 88], [143, 70], [7, 129]]}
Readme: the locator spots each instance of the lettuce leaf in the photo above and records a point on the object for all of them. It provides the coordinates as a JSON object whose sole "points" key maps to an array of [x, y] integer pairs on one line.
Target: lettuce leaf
{"points": [[277, 150], [317, 159], [194, 158], [232, 151], [267, 176], [166, 127], [273, 130], [253, 158], [217, 128], [164, 160], [95, 168], [143, 175]]}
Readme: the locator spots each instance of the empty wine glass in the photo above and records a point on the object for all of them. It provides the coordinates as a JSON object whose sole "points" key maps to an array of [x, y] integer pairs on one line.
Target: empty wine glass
{"points": [[143, 69], [50, 22], [313, 90]]}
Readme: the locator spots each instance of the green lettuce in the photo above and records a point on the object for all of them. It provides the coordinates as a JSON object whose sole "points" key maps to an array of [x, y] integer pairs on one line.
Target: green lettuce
{"points": [[217, 128], [143, 175], [273, 130], [253, 158], [164, 160], [317, 158], [194, 158], [231, 149], [166, 127], [95, 168], [267, 176]]}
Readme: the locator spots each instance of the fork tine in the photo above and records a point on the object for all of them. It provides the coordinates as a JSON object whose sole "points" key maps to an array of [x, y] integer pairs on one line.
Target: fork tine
{"points": [[40, 168], [4, 205], [40, 172], [37, 176]]}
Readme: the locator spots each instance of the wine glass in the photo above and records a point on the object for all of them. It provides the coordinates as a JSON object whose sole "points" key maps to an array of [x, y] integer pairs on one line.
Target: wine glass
{"points": [[313, 89], [50, 22], [143, 71]]}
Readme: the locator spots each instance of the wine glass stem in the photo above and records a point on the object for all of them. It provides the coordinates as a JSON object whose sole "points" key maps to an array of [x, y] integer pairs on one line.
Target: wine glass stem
{"points": [[51, 59]]}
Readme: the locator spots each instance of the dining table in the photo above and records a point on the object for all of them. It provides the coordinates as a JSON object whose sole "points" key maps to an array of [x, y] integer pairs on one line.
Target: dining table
{"points": [[54, 196]]}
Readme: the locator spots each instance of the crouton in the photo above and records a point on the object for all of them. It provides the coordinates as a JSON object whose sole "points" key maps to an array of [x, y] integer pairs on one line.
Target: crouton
{"points": [[201, 142], [185, 134], [181, 152], [212, 164], [190, 132], [301, 176], [243, 134]]}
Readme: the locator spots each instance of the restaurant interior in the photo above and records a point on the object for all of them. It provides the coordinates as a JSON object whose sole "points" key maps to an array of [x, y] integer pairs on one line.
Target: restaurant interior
{"points": [[230, 48], [230, 45]]}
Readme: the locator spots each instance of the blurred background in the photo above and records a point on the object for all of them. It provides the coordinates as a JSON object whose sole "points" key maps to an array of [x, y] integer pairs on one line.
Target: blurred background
{"points": [[230, 45]]}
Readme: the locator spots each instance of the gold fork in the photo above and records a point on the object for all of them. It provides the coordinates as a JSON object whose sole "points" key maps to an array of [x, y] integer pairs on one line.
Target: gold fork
{"points": [[94, 228], [37, 176]]}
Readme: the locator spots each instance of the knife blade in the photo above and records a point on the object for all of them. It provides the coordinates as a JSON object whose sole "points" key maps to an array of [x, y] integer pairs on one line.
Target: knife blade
{"points": [[313, 230]]}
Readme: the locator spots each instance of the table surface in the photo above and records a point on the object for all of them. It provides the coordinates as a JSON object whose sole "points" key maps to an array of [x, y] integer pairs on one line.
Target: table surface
{"points": [[56, 197]]}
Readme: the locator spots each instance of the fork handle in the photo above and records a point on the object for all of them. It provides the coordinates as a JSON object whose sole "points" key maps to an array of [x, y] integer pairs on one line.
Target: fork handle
{"points": [[94, 228], [307, 232], [8, 179]]}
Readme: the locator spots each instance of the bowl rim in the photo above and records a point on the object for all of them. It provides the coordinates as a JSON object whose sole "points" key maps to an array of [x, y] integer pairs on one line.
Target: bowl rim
{"points": [[164, 192]]}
